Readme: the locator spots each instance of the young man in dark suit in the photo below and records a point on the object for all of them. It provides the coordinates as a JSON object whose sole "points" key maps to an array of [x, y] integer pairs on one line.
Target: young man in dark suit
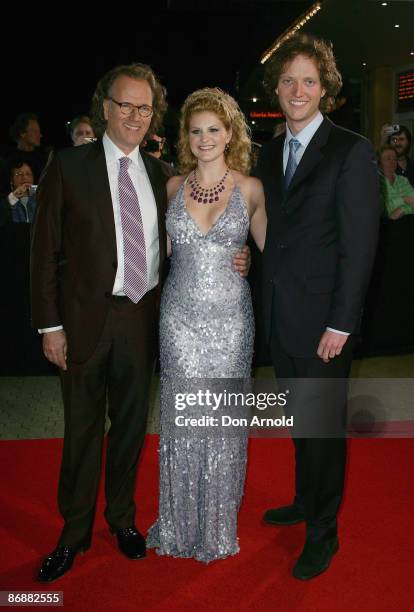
{"points": [[323, 211]]}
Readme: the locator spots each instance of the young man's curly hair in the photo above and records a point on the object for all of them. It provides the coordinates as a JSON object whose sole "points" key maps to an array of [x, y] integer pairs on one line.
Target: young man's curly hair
{"points": [[315, 48]]}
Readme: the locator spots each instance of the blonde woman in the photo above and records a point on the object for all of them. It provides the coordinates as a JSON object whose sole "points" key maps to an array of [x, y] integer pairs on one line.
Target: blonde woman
{"points": [[206, 328]]}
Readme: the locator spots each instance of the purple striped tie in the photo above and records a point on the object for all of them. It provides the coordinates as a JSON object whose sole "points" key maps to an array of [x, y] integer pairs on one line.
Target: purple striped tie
{"points": [[135, 259]]}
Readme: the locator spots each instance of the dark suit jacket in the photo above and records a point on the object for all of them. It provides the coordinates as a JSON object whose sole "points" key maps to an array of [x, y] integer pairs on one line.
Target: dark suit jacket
{"points": [[321, 236], [74, 258]]}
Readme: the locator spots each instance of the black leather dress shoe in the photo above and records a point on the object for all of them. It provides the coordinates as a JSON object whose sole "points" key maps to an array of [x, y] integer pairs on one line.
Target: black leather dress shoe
{"points": [[315, 558], [59, 562], [286, 515], [131, 542]]}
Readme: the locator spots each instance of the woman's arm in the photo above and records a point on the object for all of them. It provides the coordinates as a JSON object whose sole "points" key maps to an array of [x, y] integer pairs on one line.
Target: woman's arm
{"points": [[173, 185], [258, 220]]}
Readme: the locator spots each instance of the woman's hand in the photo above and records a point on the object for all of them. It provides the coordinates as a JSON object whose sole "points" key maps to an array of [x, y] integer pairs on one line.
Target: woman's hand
{"points": [[22, 190]]}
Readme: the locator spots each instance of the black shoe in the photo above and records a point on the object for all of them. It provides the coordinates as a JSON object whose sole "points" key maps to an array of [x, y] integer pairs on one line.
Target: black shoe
{"points": [[131, 542], [59, 562], [315, 558], [286, 515]]}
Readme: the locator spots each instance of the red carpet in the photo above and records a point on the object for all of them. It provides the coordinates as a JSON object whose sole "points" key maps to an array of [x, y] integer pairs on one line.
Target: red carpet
{"points": [[372, 571]]}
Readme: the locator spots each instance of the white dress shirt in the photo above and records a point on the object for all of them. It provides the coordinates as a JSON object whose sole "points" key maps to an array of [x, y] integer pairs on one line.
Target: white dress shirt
{"points": [[146, 199], [304, 137], [149, 215]]}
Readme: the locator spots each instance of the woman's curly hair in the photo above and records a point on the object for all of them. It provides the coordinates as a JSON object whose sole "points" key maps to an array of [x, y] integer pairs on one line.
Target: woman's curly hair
{"points": [[139, 72], [314, 48], [216, 101]]}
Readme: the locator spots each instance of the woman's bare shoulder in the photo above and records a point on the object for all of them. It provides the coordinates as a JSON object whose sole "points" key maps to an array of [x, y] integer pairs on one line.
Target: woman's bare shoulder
{"points": [[173, 185], [248, 184]]}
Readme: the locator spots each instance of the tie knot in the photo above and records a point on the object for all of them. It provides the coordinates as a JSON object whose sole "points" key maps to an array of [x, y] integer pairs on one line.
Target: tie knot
{"points": [[124, 162], [294, 144]]}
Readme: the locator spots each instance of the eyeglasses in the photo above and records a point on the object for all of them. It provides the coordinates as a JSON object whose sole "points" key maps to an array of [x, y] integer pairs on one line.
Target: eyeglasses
{"points": [[22, 173], [127, 108]]}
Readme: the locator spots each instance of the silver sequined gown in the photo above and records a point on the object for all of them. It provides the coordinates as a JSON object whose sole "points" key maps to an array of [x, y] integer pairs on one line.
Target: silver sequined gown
{"points": [[206, 331]]}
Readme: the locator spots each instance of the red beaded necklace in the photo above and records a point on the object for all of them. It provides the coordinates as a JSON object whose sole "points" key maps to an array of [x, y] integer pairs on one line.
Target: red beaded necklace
{"points": [[206, 196]]}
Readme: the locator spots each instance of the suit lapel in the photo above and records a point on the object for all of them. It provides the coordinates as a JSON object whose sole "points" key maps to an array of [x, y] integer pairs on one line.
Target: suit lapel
{"points": [[101, 192], [158, 188], [273, 173], [312, 155]]}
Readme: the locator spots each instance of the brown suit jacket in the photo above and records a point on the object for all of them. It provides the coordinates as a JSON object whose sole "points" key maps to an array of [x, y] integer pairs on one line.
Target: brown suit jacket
{"points": [[74, 258]]}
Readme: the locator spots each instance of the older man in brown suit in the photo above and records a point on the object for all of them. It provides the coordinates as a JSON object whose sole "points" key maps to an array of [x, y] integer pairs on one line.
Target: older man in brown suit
{"points": [[97, 257]]}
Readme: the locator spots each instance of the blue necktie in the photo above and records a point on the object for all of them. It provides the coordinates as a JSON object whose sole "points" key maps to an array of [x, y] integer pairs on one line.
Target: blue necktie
{"points": [[292, 163]]}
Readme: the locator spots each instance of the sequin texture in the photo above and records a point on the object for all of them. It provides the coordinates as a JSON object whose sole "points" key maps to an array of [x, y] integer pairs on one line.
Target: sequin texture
{"points": [[206, 331]]}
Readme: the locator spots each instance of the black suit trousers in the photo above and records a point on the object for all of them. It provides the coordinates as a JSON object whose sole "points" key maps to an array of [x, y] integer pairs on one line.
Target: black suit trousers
{"points": [[318, 407], [117, 375]]}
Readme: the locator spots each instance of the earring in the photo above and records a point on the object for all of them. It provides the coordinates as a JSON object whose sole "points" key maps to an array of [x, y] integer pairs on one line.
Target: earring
{"points": [[227, 147]]}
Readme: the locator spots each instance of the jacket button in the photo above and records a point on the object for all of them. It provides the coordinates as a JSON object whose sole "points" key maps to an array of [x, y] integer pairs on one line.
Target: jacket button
{"points": [[108, 294], [280, 245]]}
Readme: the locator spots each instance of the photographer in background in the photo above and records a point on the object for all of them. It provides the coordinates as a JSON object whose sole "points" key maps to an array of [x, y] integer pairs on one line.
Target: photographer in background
{"points": [[399, 136], [81, 130], [154, 145], [20, 204]]}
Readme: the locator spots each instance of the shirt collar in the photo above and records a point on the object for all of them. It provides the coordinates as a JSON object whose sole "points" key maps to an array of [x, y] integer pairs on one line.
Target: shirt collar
{"points": [[114, 153], [305, 135]]}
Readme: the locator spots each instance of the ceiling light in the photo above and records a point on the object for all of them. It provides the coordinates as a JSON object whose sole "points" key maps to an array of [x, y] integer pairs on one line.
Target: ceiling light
{"points": [[254, 99], [397, 25], [412, 53], [364, 63], [299, 23], [253, 122], [384, 3]]}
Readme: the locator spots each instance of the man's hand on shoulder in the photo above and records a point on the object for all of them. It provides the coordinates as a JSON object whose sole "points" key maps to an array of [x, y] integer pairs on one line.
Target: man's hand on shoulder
{"points": [[331, 345], [55, 348]]}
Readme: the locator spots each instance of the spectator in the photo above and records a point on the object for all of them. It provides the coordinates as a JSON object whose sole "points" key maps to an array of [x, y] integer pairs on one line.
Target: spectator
{"points": [[254, 156], [20, 204], [81, 130], [25, 131], [396, 191], [154, 145], [401, 141]]}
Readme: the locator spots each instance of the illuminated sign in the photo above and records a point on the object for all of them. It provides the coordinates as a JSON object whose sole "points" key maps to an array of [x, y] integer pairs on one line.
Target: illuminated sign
{"points": [[265, 115], [405, 90]]}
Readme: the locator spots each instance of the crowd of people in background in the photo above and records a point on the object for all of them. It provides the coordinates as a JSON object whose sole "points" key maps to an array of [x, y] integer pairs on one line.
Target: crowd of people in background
{"points": [[21, 165]]}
